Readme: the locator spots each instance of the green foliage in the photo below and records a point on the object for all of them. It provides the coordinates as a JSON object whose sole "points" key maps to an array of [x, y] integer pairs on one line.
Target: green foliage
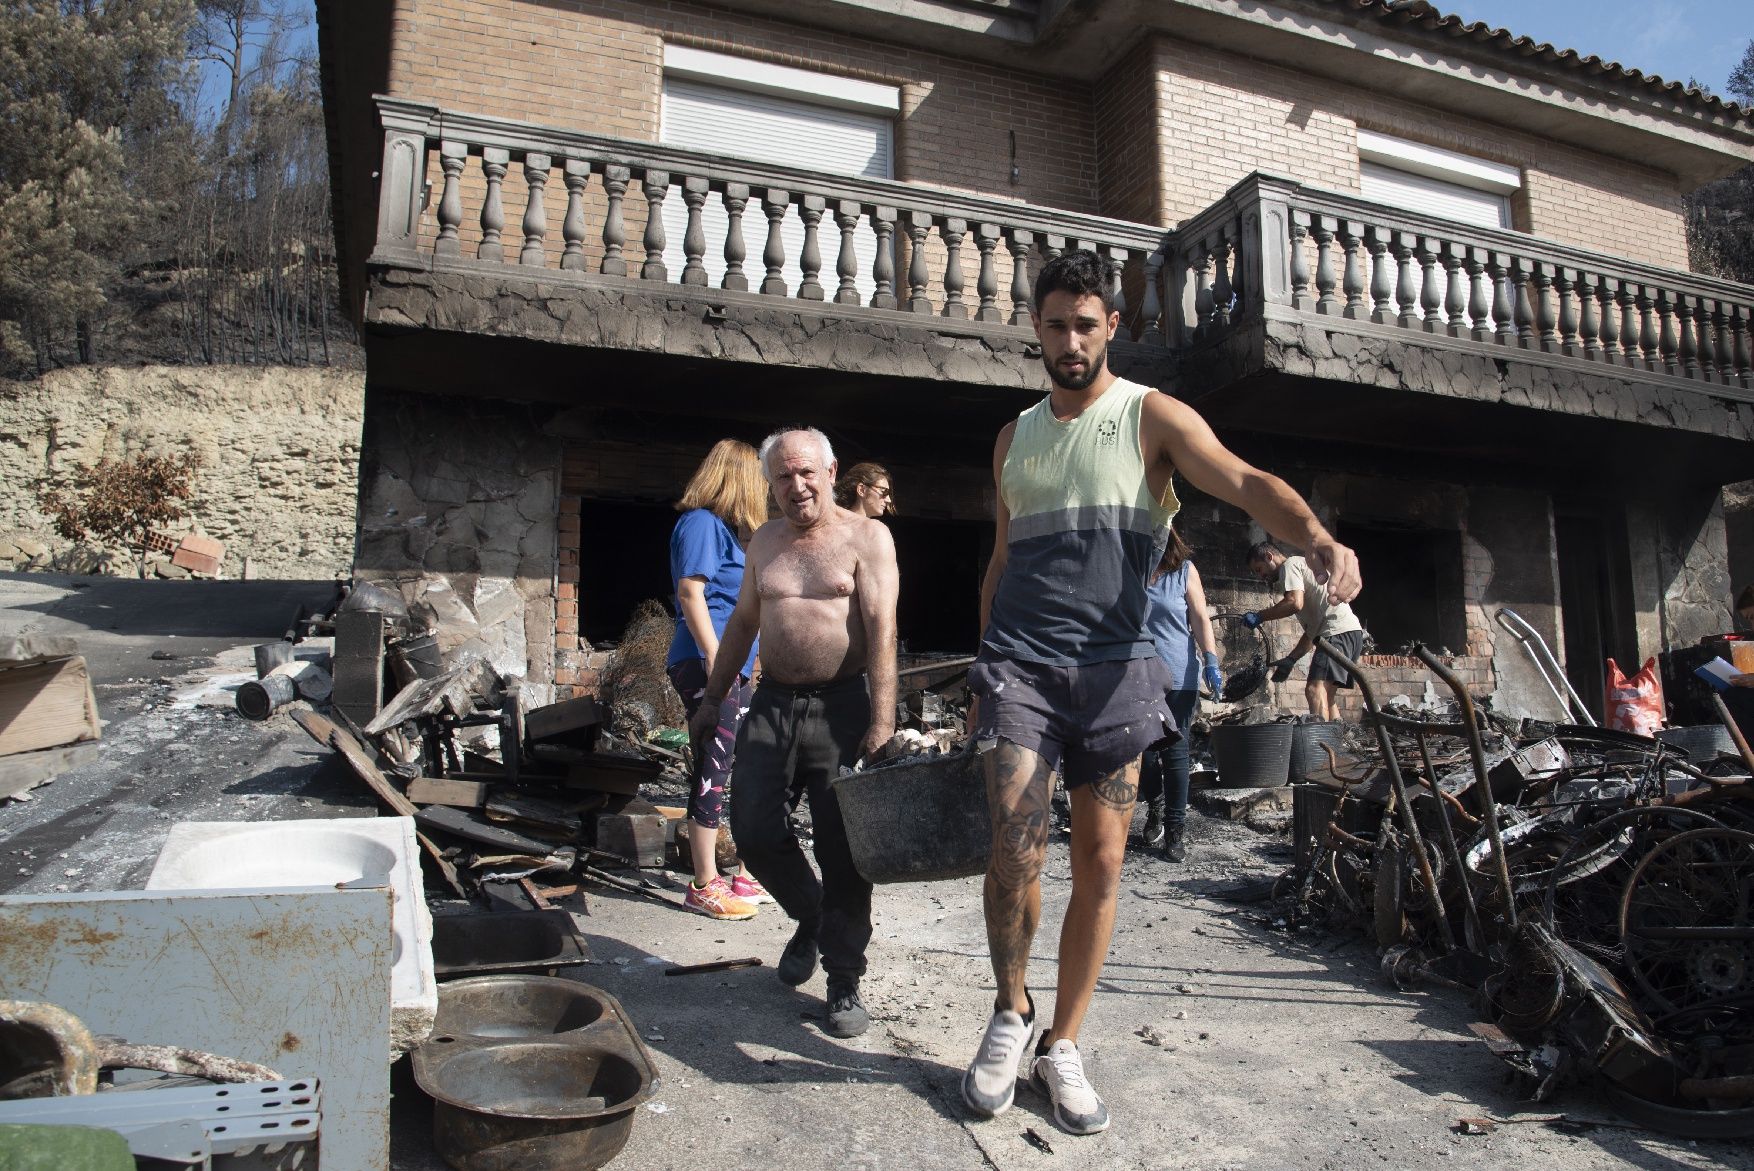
{"points": [[122, 501], [1741, 83], [1720, 215]]}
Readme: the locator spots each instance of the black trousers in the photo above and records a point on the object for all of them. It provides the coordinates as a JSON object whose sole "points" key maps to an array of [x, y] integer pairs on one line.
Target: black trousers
{"points": [[795, 741]]}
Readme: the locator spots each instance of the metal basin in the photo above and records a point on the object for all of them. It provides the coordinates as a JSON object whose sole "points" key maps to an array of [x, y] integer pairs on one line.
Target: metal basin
{"points": [[484, 943], [532, 1073], [515, 1006]]}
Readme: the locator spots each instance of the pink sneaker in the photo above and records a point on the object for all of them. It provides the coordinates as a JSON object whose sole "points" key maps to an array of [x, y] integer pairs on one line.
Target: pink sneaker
{"points": [[716, 901], [750, 891]]}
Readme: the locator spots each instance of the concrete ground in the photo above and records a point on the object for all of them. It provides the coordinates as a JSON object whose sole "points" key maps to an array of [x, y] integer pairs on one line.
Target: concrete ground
{"points": [[1217, 1041]]}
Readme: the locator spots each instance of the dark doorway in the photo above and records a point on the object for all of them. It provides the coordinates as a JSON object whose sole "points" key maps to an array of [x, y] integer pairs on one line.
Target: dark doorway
{"points": [[1413, 585], [1595, 592], [624, 558], [941, 565]]}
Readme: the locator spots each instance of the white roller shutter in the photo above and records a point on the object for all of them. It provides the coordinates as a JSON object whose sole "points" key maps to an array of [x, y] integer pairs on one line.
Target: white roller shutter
{"points": [[786, 132], [1422, 193]]}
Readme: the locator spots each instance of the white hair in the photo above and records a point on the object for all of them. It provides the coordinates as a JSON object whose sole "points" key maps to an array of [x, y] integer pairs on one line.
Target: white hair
{"points": [[772, 441]]}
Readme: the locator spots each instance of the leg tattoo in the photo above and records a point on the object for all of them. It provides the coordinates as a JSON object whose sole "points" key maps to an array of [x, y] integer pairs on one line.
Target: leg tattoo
{"points": [[1018, 787], [1119, 789]]}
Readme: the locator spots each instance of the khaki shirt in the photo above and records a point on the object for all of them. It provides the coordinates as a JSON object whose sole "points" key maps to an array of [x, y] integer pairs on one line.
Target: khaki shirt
{"points": [[1319, 620]]}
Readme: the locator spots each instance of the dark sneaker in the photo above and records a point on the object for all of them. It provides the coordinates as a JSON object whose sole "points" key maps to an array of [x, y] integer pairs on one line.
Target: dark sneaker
{"points": [[1175, 846], [798, 961], [991, 1080], [846, 1012], [1153, 835], [1059, 1073]]}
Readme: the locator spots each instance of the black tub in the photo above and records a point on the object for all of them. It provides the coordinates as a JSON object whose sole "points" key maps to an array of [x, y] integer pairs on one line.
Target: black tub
{"points": [[1252, 756]]}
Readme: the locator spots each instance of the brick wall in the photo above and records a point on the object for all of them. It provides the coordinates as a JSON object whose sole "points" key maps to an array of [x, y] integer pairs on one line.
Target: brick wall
{"points": [[1226, 115], [1127, 117], [597, 65]]}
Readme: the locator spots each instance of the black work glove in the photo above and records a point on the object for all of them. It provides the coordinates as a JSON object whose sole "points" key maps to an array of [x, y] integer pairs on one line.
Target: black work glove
{"points": [[1282, 670]]}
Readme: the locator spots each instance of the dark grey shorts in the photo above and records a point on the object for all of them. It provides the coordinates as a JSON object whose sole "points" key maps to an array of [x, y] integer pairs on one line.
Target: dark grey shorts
{"points": [[1086, 722], [1350, 644]]}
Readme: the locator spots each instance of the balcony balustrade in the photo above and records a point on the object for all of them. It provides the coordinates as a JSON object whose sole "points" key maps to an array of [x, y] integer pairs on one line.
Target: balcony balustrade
{"points": [[1270, 249]]}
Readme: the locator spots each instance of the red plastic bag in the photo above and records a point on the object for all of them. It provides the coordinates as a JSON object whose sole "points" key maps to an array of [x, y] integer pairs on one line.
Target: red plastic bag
{"points": [[1635, 704]]}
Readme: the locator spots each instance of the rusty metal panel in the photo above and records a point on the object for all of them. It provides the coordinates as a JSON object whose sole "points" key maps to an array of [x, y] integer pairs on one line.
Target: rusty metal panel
{"points": [[295, 979]]}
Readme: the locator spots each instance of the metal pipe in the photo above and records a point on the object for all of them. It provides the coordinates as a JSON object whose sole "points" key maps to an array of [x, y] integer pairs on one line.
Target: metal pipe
{"points": [[1409, 826], [1477, 751], [1449, 841], [1527, 635]]}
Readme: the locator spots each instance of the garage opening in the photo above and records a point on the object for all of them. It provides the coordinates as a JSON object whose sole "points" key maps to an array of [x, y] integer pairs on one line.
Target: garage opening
{"points": [[1413, 585]]}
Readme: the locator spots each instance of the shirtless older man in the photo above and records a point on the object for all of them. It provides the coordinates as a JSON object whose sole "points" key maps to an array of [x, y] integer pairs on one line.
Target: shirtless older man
{"points": [[819, 586]]}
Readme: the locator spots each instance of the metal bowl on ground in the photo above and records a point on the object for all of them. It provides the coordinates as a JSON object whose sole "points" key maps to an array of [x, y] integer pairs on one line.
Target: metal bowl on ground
{"points": [[918, 820], [532, 1073], [479, 943], [1252, 756]]}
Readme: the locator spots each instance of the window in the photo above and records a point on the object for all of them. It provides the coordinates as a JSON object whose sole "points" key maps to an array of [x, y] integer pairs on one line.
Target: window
{"points": [[1416, 177], [724, 105]]}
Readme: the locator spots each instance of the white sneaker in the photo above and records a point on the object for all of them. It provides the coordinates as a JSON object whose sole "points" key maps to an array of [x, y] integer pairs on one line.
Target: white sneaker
{"points": [[991, 1080], [1059, 1073]]}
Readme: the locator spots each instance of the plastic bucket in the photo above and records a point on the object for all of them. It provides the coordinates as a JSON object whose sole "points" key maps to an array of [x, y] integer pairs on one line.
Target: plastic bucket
{"points": [[1252, 756], [418, 657], [918, 822], [1307, 758]]}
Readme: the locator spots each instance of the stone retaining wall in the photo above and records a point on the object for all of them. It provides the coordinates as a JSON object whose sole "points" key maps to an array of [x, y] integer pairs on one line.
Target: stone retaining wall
{"points": [[279, 451]]}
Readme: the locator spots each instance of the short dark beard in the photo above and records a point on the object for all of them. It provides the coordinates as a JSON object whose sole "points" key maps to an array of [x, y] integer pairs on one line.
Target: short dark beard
{"points": [[1091, 371]]}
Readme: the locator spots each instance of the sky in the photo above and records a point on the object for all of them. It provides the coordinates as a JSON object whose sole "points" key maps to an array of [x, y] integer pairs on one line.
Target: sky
{"points": [[1675, 39]]}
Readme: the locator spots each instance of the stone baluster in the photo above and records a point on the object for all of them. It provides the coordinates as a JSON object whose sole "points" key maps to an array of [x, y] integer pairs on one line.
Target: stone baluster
{"points": [[535, 225], [1115, 257], [1455, 305], [1203, 295], [494, 161], [1609, 311], [1520, 274], [1742, 357], [1687, 357], [918, 225], [1382, 284], [1300, 297], [577, 174], [952, 232], [1407, 280], [1177, 283], [1151, 304], [1627, 298], [1052, 247], [1353, 282], [657, 187], [1650, 340], [694, 193], [774, 202], [452, 157], [1327, 278], [1432, 289], [810, 209], [1018, 242], [615, 181], [1542, 275], [736, 198], [1479, 294], [1706, 320], [1726, 354], [1565, 281], [1668, 337], [986, 285], [883, 268], [1504, 297], [1223, 288], [846, 216]]}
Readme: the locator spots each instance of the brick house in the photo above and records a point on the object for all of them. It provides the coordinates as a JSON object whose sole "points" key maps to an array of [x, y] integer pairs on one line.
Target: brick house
{"points": [[1434, 275]]}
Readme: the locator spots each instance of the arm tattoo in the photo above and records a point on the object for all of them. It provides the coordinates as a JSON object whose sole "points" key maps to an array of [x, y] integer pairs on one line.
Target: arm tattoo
{"points": [[1119, 789]]}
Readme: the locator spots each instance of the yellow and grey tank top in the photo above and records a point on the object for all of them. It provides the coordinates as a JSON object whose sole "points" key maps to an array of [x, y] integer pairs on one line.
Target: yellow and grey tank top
{"points": [[1085, 535]]}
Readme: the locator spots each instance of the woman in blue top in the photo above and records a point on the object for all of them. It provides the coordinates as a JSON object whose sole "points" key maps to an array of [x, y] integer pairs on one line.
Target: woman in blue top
{"points": [[724, 504], [1178, 623]]}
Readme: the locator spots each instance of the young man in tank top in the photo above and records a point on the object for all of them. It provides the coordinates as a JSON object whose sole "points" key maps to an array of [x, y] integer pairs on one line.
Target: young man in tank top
{"points": [[1067, 679]]}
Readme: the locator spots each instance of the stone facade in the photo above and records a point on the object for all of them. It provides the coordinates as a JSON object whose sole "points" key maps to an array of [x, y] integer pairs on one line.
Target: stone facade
{"points": [[457, 507], [279, 452]]}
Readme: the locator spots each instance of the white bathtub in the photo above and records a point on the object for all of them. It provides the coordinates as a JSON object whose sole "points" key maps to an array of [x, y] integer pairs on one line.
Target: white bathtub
{"points": [[337, 852]]}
